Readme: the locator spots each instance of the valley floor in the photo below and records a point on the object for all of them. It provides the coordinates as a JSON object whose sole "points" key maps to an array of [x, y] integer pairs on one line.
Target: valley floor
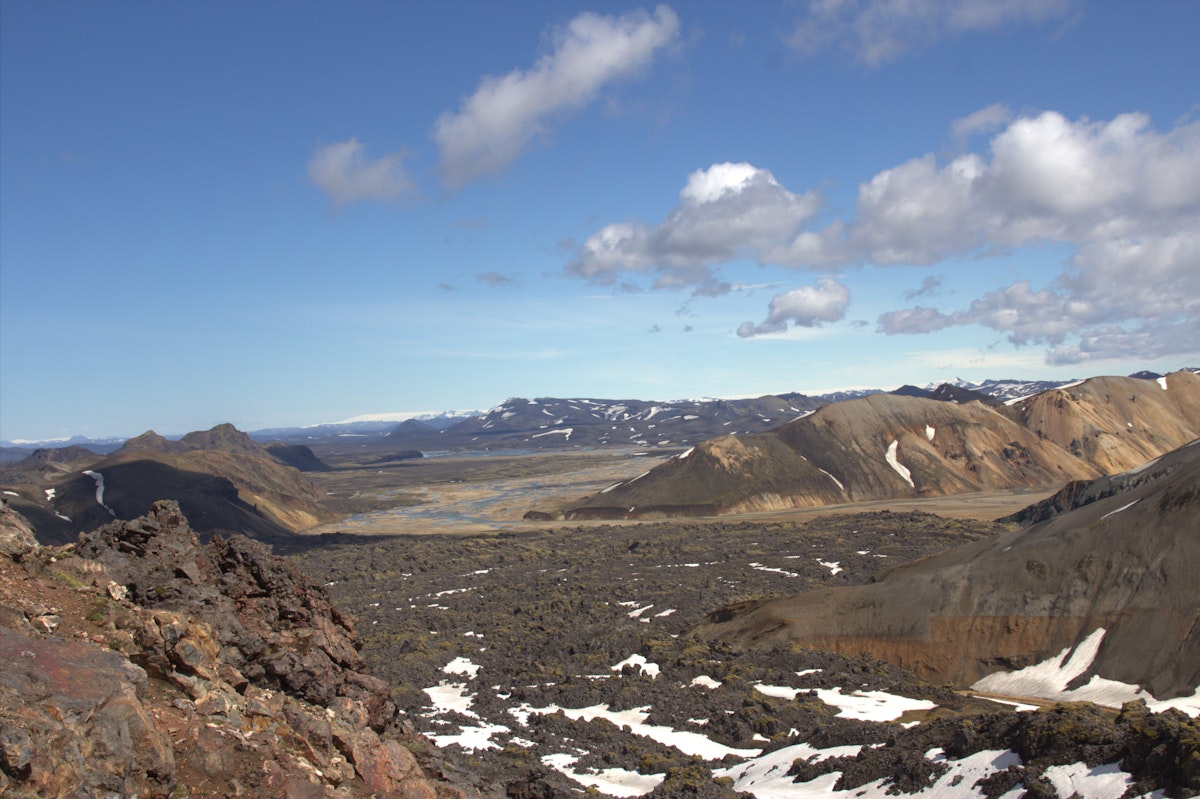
{"points": [[487, 493]]}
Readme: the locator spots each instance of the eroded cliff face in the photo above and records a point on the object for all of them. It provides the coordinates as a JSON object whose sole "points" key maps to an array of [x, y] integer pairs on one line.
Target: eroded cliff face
{"points": [[143, 663], [1125, 563]]}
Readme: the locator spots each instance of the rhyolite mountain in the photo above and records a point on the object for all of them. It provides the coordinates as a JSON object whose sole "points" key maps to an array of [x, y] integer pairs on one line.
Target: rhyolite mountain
{"points": [[888, 446], [1120, 555], [223, 479]]}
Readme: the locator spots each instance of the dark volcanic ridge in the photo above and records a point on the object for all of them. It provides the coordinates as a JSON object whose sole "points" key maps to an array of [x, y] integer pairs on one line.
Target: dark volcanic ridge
{"points": [[223, 480]]}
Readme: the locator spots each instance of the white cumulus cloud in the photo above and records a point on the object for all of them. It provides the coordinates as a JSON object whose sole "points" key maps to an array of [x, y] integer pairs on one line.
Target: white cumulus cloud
{"points": [[726, 211], [807, 306], [493, 126], [877, 31], [345, 173], [1123, 195]]}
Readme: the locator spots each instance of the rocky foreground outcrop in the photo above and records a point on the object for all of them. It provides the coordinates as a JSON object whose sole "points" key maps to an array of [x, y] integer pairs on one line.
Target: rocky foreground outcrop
{"points": [[140, 662]]}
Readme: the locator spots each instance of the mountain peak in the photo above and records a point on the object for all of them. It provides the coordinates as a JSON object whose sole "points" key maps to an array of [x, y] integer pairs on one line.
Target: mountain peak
{"points": [[223, 438], [151, 440]]}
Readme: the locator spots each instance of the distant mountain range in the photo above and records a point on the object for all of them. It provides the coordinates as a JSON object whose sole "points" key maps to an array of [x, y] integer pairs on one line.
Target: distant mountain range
{"points": [[509, 425], [892, 446], [771, 452]]}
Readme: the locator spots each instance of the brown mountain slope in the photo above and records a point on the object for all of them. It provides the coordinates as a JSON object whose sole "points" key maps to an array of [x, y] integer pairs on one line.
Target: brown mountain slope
{"points": [[224, 438], [1117, 423], [280, 493], [878, 447], [150, 440], [1126, 563], [887, 446], [44, 465], [224, 481], [130, 488]]}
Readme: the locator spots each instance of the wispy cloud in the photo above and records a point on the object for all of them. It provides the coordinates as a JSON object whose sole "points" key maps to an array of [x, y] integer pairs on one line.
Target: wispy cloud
{"points": [[495, 124], [878, 31], [343, 171], [985, 120], [498, 280], [929, 286]]}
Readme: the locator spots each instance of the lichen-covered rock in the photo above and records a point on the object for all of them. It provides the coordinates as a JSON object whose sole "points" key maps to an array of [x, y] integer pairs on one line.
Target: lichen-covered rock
{"points": [[71, 720], [16, 536]]}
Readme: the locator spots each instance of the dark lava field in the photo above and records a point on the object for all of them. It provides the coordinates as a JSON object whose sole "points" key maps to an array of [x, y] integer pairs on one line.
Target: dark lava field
{"points": [[485, 637]]}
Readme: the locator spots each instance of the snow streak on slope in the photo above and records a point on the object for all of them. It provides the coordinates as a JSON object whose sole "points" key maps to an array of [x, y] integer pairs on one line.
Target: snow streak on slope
{"points": [[895, 463], [99, 480]]}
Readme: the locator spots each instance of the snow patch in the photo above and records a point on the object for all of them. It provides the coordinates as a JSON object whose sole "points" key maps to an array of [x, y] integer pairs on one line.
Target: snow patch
{"points": [[1050, 678], [929, 431], [649, 669], [871, 705], [762, 568], [831, 477], [612, 781], [1099, 782], [1118, 510], [461, 665], [833, 566], [472, 738], [766, 776], [1162, 381], [704, 681], [900, 468], [447, 697], [99, 480], [565, 431], [690, 743], [861, 705]]}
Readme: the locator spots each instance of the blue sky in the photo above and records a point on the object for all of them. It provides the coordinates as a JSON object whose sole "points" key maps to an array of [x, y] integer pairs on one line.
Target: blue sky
{"points": [[290, 213]]}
